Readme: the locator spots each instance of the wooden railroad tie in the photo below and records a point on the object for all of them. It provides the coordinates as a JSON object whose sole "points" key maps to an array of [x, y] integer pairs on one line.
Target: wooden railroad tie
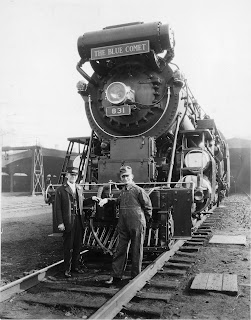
{"points": [[174, 265], [189, 248], [193, 243], [205, 228], [186, 254], [199, 236], [171, 272], [154, 296], [61, 301], [143, 310], [182, 259], [197, 239], [81, 288], [164, 284], [202, 232]]}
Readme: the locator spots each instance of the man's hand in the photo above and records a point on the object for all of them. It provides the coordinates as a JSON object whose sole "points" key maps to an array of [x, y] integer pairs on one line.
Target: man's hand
{"points": [[61, 227], [96, 199], [102, 202]]}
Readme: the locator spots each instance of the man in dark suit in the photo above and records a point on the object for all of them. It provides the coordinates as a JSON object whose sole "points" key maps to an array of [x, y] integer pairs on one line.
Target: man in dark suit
{"points": [[69, 202]]}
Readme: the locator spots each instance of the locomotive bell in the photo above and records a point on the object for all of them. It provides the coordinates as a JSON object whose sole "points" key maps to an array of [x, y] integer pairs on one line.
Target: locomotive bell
{"points": [[178, 78], [118, 92]]}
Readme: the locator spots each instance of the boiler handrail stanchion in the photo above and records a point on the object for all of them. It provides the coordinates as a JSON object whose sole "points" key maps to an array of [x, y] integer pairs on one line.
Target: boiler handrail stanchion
{"points": [[173, 150], [87, 158]]}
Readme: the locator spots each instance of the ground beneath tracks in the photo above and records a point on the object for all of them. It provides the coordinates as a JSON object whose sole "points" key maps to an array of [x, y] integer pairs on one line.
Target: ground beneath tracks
{"points": [[26, 246]]}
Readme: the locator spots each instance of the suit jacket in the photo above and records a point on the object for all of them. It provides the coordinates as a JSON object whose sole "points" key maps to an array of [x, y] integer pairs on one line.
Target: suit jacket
{"points": [[64, 205]]}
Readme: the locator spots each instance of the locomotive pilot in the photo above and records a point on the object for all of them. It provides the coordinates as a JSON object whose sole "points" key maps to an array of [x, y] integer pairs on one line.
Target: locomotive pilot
{"points": [[68, 208], [135, 208]]}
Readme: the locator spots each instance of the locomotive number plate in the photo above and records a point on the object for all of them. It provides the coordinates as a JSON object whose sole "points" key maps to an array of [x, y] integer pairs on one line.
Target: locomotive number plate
{"points": [[124, 110]]}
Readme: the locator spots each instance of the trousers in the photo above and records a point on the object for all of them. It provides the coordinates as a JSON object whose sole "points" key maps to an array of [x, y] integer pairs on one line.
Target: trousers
{"points": [[131, 235], [72, 243]]}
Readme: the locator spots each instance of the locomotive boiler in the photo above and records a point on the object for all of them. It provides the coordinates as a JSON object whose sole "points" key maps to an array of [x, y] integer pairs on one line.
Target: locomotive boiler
{"points": [[143, 114]]}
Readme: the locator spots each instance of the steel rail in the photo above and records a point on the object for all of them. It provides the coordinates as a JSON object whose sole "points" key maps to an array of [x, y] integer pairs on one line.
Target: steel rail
{"points": [[120, 299], [34, 278], [112, 307], [202, 220], [28, 281], [249, 197]]}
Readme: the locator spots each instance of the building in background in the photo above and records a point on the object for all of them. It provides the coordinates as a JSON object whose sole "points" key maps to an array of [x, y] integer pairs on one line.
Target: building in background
{"points": [[29, 168], [240, 162]]}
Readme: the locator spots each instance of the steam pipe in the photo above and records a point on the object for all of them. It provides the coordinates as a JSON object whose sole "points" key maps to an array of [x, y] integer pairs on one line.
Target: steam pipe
{"points": [[87, 158], [97, 238], [85, 75]]}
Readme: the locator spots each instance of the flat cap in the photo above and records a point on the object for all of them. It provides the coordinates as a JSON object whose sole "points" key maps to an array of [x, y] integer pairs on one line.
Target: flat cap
{"points": [[125, 170], [72, 170]]}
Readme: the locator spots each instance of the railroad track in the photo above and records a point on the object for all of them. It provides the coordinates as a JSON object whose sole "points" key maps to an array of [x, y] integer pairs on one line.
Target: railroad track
{"points": [[87, 295], [248, 196]]}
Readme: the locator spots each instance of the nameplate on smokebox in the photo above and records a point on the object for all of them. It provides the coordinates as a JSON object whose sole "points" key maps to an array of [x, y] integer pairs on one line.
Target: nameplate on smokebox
{"points": [[124, 110], [125, 49]]}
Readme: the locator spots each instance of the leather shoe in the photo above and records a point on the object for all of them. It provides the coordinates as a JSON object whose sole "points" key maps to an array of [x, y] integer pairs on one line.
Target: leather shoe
{"points": [[77, 270], [113, 280], [67, 274]]}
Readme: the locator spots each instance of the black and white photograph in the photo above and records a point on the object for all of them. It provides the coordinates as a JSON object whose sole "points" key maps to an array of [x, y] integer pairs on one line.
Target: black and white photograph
{"points": [[125, 169]]}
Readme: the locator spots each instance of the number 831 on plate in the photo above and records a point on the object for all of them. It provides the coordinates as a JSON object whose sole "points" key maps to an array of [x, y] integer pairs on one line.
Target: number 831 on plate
{"points": [[124, 110]]}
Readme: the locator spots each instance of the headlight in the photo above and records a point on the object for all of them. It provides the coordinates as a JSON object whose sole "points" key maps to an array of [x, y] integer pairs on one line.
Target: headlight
{"points": [[197, 159], [118, 92]]}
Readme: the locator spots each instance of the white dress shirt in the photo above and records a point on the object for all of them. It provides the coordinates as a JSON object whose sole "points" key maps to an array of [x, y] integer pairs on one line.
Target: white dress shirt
{"points": [[72, 186]]}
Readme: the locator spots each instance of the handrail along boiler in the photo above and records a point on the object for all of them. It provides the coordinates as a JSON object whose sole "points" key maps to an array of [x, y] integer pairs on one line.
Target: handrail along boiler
{"points": [[143, 114]]}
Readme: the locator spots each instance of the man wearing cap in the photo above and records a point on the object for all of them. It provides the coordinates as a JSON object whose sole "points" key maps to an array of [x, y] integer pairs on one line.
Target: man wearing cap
{"points": [[135, 208], [68, 208]]}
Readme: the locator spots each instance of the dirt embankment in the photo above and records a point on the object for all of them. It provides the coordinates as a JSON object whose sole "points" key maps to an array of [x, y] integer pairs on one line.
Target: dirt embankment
{"points": [[234, 214], [25, 241]]}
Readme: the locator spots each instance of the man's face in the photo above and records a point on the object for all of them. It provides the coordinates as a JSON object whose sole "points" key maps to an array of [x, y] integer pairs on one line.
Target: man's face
{"points": [[71, 177], [126, 178]]}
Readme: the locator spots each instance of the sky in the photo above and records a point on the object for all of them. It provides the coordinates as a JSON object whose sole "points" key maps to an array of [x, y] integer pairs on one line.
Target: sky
{"points": [[39, 103]]}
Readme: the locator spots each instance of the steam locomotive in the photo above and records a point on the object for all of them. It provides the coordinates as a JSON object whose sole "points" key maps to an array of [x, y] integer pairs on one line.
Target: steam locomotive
{"points": [[143, 114]]}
